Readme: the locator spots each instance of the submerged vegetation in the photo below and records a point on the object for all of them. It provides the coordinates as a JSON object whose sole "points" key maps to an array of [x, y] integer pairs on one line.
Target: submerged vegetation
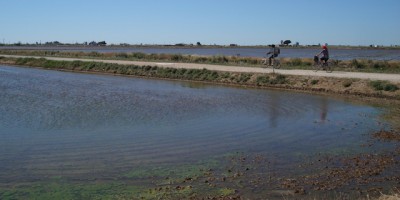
{"points": [[233, 176], [287, 63]]}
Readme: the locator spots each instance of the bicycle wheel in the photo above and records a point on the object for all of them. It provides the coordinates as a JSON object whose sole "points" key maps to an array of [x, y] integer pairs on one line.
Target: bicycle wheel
{"points": [[328, 67], [277, 64], [316, 67]]}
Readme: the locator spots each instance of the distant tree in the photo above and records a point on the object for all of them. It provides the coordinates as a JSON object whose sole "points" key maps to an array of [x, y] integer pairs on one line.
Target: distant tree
{"points": [[102, 43], [287, 42], [93, 43], [198, 44]]}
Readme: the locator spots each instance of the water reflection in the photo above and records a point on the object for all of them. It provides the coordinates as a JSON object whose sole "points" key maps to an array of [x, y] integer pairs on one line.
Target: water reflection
{"points": [[274, 114], [324, 109]]}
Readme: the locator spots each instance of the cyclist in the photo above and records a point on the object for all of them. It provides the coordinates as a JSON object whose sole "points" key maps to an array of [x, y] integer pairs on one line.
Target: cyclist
{"points": [[325, 54], [275, 51]]}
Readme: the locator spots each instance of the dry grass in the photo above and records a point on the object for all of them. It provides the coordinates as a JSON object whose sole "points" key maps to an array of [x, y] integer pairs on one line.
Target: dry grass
{"points": [[389, 197]]}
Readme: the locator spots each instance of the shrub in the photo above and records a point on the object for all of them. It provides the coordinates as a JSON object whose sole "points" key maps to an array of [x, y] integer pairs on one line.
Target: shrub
{"points": [[383, 85], [262, 80], [138, 55], [177, 57], [313, 82], [377, 85], [357, 64], [281, 79], [381, 65], [347, 83], [390, 87], [243, 78], [121, 55], [296, 62]]}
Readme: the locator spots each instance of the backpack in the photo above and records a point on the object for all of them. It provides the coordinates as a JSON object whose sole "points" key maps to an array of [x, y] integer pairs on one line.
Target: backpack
{"points": [[277, 51]]}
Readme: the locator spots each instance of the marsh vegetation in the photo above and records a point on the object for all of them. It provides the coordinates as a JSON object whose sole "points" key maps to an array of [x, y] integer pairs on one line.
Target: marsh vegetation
{"points": [[361, 65]]}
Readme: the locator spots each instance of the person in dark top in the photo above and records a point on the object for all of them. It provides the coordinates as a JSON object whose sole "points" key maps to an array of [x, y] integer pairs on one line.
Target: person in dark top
{"points": [[274, 51], [324, 53]]}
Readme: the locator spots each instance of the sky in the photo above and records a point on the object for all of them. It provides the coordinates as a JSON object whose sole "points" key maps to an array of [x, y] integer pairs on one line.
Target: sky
{"points": [[223, 22]]}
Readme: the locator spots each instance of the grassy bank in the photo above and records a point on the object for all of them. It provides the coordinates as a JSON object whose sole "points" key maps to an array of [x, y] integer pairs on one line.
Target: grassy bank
{"points": [[303, 83], [287, 63]]}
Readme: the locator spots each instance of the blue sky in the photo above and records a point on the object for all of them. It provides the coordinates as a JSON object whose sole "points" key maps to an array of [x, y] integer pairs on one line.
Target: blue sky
{"points": [[244, 22]]}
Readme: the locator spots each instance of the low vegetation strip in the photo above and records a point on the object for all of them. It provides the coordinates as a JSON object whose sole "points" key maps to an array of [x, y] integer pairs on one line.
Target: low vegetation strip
{"points": [[261, 80], [354, 65]]}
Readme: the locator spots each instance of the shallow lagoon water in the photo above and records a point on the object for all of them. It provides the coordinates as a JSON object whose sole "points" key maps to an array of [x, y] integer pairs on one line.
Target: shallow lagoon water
{"points": [[85, 126]]}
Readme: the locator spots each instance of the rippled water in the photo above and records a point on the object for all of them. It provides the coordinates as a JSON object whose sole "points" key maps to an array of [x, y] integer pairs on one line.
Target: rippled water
{"points": [[80, 125], [340, 54]]}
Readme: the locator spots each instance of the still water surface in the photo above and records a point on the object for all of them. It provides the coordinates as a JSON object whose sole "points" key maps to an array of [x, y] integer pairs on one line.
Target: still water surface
{"points": [[79, 125]]}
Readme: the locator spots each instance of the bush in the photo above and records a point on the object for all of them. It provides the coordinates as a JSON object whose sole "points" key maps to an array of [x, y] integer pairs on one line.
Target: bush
{"points": [[381, 65], [121, 55], [347, 83], [390, 87], [296, 62], [281, 79], [262, 80], [313, 82], [383, 85], [357, 64]]}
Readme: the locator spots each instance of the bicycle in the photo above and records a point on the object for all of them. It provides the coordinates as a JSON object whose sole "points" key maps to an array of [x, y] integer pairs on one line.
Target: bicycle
{"points": [[318, 65]]}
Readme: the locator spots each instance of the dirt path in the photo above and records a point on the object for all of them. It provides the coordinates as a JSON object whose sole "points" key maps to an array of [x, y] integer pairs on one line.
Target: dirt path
{"points": [[338, 74]]}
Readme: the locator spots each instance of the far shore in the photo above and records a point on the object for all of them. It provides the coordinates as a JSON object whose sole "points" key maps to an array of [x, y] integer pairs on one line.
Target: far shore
{"points": [[188, 46]]}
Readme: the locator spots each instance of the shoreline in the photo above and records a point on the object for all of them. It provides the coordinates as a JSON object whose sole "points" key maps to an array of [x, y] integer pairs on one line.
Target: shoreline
{"points": [[262, 80]]}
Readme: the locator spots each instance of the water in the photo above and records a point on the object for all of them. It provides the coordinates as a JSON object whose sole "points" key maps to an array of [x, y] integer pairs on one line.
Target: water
{"points": [[82, 126], [339, 54]]}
